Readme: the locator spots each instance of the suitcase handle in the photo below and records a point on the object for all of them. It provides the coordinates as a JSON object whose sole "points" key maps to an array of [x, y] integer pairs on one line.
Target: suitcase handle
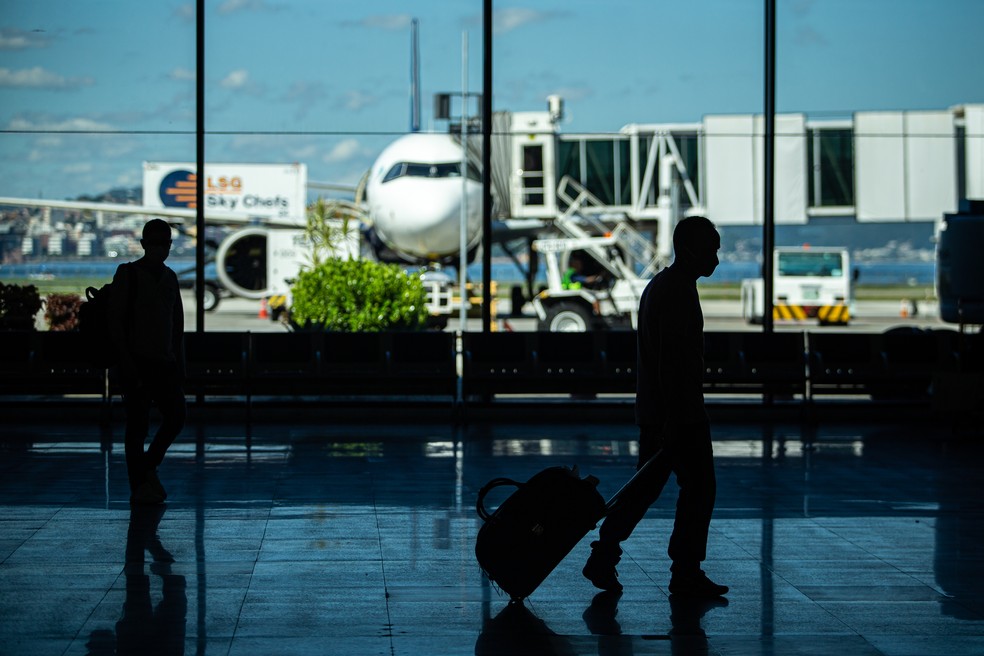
{"points": [[626, 489], [488, 487]]}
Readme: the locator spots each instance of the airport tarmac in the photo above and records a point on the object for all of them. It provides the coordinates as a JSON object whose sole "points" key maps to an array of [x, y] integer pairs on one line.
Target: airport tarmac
{"points": [[239, 314]]}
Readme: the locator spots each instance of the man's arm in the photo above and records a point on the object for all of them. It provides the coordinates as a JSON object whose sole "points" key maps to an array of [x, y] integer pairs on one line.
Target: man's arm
{"points": [[177, 331], [119, 318]]}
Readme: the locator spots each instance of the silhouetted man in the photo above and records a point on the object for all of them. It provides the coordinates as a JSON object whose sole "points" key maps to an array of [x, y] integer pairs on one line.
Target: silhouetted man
{"points": [[147, 322], [671, 416]]}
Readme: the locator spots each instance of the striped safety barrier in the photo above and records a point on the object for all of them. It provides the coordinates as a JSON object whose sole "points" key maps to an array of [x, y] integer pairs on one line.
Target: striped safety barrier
{"points": [[825, 313]]}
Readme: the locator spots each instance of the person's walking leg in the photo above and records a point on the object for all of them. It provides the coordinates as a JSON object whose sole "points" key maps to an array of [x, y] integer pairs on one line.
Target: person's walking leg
{"points": [[628, 512], [171, 403], [137, 405], [694, 468], [170, 400]]}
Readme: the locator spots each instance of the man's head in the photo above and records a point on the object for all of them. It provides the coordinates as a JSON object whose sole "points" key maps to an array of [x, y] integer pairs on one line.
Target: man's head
{"points": [[696, 242], [156, 240]]}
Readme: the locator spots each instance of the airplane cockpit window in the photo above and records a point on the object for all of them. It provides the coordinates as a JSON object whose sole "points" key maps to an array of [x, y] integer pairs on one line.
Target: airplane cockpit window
{"points": [[438, 170]]}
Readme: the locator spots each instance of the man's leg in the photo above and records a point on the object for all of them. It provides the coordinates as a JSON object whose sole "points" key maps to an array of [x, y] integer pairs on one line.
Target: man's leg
{"points": [[694, 468], [171, 403], [137, 404], [628, 512]]}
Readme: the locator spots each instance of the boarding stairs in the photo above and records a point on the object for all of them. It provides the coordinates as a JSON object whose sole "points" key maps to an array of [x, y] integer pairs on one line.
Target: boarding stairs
{"points": [[585, 209]]}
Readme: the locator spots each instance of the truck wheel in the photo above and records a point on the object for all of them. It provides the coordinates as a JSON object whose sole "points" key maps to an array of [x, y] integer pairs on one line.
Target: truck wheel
{"points": [[567, 318], [210, 299]]}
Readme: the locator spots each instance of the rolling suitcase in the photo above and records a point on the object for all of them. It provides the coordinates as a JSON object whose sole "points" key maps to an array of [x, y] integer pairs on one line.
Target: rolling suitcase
{"points": [[530, 532]]}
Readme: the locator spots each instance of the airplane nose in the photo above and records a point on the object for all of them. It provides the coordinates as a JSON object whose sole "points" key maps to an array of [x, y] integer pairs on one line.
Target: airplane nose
{"points": [[424, 219]]}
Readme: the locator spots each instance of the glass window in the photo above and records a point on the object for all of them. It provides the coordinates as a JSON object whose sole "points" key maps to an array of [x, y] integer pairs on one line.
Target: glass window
{"points": [[832, 173], [688, 145], [624, 173], [395, 172], [569, 159], [601, 170], [822, 264], [440, 170], [533, 175]]}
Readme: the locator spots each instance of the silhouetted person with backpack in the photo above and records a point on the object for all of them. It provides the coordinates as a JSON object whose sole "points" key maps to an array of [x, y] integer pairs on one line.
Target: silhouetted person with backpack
{"points": [[671, 416], [147, 324]]}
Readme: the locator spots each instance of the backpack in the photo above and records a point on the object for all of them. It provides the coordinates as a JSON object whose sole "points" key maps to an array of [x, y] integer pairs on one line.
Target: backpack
{"points": [[94, 325]]}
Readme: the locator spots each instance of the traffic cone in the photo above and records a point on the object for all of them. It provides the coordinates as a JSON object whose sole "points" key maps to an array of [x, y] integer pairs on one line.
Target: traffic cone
{"points": [[263, 310]]}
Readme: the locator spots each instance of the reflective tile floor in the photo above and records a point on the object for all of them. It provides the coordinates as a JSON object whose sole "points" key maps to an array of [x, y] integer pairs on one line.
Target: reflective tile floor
{"points": [[360, 540]]}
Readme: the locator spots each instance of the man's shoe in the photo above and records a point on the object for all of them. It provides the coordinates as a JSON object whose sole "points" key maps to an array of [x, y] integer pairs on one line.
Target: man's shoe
{"points": [[602, 573], [695, 586]]}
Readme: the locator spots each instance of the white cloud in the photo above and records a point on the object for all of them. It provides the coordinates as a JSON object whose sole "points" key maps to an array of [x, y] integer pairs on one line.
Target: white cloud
{"points": [[802, 7], [306, 91], [128, 179], [49, 141], [303, 153], [39, 78], [15, 39], [182, 74], [185, 13], [232, 6], [78, 167], [305, 96], [807, 36], [511, 18], [235, 80], [344, 151], [78, 124], [355, 100]]}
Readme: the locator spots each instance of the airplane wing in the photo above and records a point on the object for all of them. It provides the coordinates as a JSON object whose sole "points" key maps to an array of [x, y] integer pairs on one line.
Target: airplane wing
{"points": [[511, 229], [332, 186]]}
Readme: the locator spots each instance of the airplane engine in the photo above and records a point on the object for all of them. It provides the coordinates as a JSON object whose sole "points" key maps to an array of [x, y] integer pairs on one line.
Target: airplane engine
{"points": [[257, 262]]}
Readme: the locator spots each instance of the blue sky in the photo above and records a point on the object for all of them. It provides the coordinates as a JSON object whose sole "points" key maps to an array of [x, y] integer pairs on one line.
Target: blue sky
{"points": [[340, 69]]}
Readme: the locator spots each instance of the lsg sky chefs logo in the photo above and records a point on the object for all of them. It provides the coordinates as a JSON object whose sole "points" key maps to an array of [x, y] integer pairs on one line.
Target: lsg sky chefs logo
{"points": [[178, 189], [223, 192]]}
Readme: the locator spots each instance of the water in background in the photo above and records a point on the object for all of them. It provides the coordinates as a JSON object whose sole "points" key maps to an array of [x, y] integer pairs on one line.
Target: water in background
{"points": [[90, 269]]}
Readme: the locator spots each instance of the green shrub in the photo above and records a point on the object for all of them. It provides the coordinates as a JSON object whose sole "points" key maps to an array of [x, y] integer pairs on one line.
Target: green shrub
{"points": [[18, 305], [358, 296]]}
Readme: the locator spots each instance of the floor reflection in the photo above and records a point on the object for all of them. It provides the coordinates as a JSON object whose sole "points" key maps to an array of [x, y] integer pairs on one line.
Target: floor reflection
{"points": [[516, 630], [861, 540], [144, 628], [600, 618]]}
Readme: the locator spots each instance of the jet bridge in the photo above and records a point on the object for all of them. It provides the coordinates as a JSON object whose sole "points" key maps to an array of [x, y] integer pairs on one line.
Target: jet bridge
{"points": [[633, 185]]}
